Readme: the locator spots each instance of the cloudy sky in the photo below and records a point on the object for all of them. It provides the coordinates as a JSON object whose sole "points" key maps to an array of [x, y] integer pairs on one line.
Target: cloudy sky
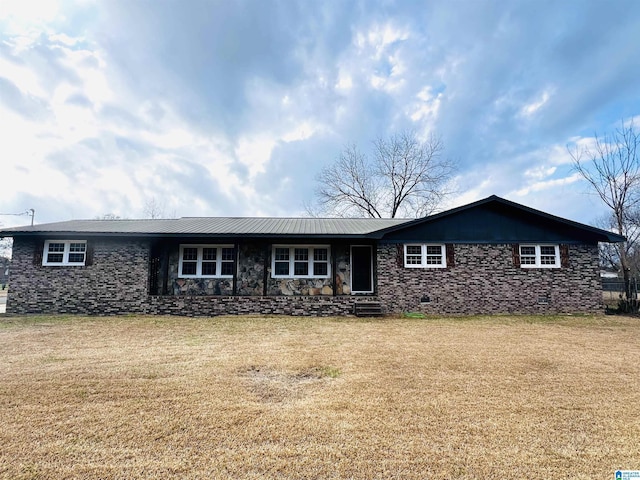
{"points": [[230, 108]]}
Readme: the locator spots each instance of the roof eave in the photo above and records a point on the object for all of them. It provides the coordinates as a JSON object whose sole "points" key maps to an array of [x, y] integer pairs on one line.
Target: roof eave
{"points": [[326, 236]]}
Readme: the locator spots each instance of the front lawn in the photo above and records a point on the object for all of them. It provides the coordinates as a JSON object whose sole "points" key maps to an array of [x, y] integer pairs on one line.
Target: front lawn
{"points": [[253, 397]]}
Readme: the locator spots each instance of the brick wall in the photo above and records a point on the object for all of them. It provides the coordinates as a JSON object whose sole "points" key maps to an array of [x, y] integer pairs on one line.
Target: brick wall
{"points": [[116, 282], [484, 280]]}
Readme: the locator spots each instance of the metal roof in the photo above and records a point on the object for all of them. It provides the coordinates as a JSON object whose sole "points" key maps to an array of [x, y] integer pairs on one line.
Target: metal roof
{"points": [[291, 227], [239, 226]]}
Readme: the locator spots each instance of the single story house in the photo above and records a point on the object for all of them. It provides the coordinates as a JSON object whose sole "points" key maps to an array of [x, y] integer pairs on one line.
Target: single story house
{"points": [[491, 256]]}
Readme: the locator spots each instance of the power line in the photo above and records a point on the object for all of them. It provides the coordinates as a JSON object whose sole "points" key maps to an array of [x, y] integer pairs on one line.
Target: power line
{"points": [[30, 212]]}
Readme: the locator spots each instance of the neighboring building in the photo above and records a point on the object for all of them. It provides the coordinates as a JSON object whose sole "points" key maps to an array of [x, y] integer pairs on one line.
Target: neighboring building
{"points": [[491, 256]]}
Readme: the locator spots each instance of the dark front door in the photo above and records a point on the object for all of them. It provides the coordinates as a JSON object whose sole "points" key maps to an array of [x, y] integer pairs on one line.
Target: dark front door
{"points": [[361, 269]]}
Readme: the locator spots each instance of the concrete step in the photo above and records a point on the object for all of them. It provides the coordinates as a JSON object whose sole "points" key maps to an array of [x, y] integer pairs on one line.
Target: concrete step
{"points": [[368, 309]]}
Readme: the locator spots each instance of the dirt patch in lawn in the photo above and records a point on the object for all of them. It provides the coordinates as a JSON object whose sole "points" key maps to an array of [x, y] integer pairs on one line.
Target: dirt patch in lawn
{"points": [[270, 385]]}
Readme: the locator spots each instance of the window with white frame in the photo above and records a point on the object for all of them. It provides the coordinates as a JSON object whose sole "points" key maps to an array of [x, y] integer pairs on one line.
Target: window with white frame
{"points": [[425, 255], [539, 256], [64, 252], [300, 261], [206, 261]]}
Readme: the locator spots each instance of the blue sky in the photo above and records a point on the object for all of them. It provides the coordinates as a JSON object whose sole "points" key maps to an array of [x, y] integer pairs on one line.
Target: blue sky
{"points": [[230, 108]]}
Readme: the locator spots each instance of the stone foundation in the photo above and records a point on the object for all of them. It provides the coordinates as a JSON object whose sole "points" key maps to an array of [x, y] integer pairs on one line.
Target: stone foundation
{"points": [[197, 306]]}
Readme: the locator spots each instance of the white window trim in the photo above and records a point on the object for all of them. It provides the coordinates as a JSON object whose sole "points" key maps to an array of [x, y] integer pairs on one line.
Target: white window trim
{"points": [[198, 261], [538, 263], [65, 255], [423, 261], [292, 260]]}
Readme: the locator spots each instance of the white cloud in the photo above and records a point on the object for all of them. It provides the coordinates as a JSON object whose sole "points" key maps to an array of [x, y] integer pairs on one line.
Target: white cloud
{"points": [[345, 82], [254, 151], [539, 172], [378, 38], [426, 107], [27, 16], [531, 108], [547, 184], [21, 75]]}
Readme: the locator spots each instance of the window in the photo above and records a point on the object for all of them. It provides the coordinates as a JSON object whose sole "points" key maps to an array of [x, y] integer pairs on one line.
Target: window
{"points": [[209, 261], [539, 256], [425, 256], [299, 261], [64, 252]]}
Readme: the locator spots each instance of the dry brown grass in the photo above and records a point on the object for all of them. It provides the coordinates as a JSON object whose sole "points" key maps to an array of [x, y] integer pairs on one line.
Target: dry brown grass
{"points": [[479, 398]]}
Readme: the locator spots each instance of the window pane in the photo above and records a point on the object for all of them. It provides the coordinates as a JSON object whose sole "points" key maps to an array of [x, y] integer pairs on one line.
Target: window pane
{"points": [[320, 269], [190, 253], [434, 250], [77, 247], [282, 254], [56, 247], [414, 249], [227, 254], [547, 250], [282, 268], [301, 268], [528, 251], [209, 253], [208, 268], [227, 268], [76, 258], [301, 254], [434, 259], [188, 268], [54, 258], [320, 255], [527, 255], [434, 255]]}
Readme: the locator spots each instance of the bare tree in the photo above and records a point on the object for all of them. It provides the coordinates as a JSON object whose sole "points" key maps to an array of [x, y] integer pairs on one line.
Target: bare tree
{"points": [[404, 176], [153, 208], [6, 245], [610, 252], [611, 166]]}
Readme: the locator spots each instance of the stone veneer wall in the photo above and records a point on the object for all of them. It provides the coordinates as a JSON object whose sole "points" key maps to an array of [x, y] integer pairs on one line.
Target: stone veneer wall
{"points": [[195, 306], [253, 259], [251, 264], [195, 286], [115, 283], [484, 280], [314, 286]]}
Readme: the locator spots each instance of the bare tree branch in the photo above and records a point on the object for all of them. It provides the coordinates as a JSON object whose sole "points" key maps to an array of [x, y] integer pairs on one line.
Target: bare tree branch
{"points": [[348, 185], [154, 209], [612, 169], [405, 176]]}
